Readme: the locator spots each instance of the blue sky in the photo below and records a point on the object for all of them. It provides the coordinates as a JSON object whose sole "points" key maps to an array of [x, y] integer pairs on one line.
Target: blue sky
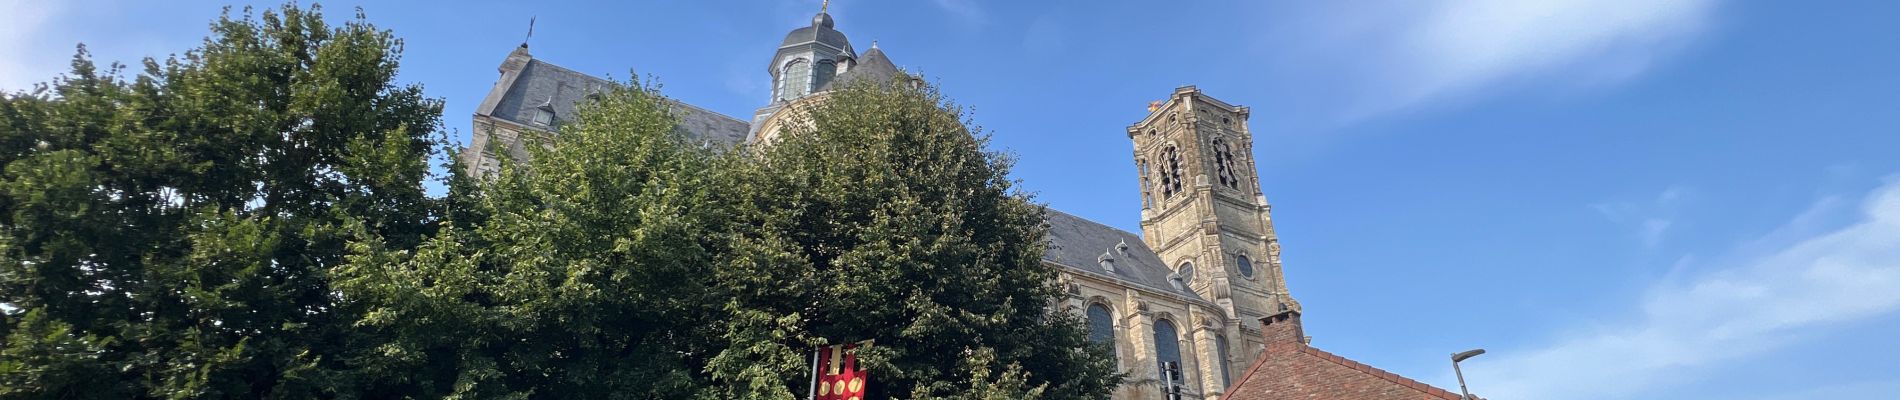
{"points": [[1621, 199]]}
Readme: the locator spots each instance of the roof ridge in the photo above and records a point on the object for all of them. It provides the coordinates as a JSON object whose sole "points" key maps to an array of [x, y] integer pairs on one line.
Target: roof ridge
{"points": [[1376, 372], [1111, 227], [1283, 347], [566, 69], [1182, 295], [703, 109], [669, 99]]}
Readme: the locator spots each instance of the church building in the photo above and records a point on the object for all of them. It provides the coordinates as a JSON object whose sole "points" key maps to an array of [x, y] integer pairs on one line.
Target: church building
{"points": [[1194, 304]]}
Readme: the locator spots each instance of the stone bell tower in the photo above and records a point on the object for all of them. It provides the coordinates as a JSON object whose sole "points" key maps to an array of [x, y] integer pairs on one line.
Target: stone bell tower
{"points": [[1202, 208]]}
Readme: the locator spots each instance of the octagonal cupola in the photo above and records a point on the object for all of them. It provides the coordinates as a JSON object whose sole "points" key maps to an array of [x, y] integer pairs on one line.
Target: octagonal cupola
{"points": [[808, 58]]}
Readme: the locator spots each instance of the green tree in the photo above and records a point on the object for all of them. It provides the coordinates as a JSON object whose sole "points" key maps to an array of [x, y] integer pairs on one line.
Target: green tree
{"points": [[173, 236], [879, 215], [582, 277], [623, 260]]}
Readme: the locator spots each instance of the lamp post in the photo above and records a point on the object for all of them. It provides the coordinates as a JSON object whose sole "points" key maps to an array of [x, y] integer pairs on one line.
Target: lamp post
{"points": [[1461, 356], [1172, 372]]}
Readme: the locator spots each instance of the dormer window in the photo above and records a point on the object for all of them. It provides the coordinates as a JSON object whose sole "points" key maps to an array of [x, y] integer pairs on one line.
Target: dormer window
{"points": [[1108, 261], [543, 117], [544, 113]]}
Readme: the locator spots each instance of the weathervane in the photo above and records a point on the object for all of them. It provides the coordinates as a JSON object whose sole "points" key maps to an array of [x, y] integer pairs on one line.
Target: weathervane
{"points": [[524, 41], [825, 6]]}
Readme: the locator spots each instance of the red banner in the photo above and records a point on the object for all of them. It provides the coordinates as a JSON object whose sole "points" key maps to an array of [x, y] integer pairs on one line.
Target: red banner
{"points": [[838, 375]]}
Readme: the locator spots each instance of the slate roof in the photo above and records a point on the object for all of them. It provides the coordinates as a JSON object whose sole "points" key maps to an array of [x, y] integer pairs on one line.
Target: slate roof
{"points": [[872, 66], [817, 33], [543, 84], [1076, 243]]}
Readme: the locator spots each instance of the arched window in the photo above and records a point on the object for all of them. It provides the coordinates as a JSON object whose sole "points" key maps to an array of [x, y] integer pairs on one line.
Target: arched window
{"points": [[823, 74], [794, 80], [1224, 165], [1102, 326], [1244, 265], [1168, 352], [1220, 350], [1170, 172]]}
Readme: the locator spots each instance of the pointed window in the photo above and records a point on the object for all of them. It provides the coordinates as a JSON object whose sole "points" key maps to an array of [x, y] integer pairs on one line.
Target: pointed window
{"points": [[1102, 326], [1168, 353], [1170, 172], [1220, 350], [1224, 164]]}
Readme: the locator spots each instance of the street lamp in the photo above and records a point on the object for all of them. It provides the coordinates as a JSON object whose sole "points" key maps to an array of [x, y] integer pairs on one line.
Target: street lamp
{"points": [[1461, 356]]}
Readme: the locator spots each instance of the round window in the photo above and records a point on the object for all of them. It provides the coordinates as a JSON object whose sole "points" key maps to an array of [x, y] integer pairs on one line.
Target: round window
{"points": [[1244, 265]]}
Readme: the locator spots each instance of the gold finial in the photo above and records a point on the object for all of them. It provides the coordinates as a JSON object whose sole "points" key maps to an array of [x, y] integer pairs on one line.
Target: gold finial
{"points": [[825, 6]]}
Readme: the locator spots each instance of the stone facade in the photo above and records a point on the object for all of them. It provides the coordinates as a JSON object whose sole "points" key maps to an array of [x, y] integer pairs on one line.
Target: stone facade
{"points": [[1207, 222], [1190, 290]]}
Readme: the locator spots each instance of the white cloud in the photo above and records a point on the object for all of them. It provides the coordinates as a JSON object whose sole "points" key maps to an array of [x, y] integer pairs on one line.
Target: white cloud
{"points": [[1851, 390], [1688, 327], [1651, 219], [1402, 55], [21, 33]]}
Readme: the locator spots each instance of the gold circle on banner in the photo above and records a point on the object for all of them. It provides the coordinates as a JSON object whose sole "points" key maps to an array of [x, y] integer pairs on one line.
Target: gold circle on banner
{"points": [[854, 397], [857, 384], [824, 387], [839, 387]]}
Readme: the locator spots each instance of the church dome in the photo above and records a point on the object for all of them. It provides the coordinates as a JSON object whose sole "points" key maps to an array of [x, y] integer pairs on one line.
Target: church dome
{"points": [[820, 32]]}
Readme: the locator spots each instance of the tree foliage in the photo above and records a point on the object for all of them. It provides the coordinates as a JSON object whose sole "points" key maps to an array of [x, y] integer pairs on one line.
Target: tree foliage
{"points": [[880, 216], [580, 279], [623, 260], [249, 221], [172, 235]]}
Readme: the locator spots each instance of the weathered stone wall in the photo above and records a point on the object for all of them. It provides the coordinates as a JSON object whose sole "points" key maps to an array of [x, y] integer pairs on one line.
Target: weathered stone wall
{"points": [[1136, 310], [1209, 224]]}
